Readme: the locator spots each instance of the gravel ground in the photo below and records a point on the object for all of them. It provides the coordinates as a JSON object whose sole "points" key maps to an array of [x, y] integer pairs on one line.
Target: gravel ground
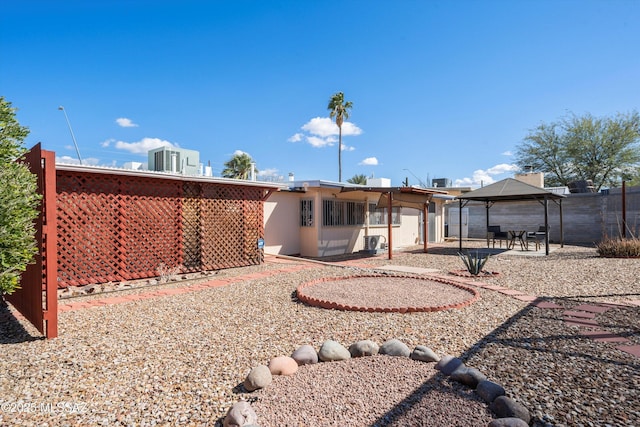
{"points": [[179, 360]]}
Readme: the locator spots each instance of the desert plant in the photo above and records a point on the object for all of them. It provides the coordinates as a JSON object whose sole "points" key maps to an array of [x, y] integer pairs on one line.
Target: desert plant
{"points": [[474, 262], [619, 248], [166, 273]]}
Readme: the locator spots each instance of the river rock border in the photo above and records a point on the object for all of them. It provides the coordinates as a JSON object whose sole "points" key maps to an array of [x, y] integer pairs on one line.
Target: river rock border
{"points": [[337, 306], [508, 411]]}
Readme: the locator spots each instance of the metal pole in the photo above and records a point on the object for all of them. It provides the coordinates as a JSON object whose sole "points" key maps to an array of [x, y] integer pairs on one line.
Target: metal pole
{"points": [[75, 143], [624, 209]]}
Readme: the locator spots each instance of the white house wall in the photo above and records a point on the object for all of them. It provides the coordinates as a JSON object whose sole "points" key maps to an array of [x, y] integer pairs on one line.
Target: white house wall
{"points": [[284, 235], [282, 224]]}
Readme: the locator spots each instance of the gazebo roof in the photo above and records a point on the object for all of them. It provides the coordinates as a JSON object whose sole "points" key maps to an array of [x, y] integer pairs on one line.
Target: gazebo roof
{"points": [[509, 189]]}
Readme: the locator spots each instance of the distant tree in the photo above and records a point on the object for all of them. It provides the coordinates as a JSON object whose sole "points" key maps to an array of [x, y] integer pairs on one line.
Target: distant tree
{"points": [[18, 199], [339, 108], [238, 167], [603, 150], [358, 179]]}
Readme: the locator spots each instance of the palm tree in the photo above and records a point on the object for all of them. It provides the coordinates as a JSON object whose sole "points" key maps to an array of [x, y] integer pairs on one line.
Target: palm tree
{"points": [[358, 179], [339, 108], [238, 167]]}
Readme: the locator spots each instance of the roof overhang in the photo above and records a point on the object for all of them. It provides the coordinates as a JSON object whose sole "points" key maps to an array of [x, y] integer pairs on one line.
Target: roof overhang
{"points": [[409, 197]]}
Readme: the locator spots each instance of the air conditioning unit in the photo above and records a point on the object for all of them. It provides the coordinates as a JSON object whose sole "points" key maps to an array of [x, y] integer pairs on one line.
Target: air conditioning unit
{"points": [[371, 242], [374, 243]]}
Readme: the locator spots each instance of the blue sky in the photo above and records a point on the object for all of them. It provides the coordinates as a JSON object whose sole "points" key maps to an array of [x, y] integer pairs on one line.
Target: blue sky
{"points": [[440, 89]]}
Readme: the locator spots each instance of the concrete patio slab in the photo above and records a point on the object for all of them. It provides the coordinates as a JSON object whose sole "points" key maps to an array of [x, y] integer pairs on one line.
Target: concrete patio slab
{"points": [[408, 269]]}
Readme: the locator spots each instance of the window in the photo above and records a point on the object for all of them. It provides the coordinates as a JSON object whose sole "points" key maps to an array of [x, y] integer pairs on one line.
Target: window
{"points": [[306, 213], [379, 216], [340, 212]]}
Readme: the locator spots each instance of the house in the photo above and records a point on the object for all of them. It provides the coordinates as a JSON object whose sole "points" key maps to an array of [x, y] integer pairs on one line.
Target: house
{"points": [[319, 218]]}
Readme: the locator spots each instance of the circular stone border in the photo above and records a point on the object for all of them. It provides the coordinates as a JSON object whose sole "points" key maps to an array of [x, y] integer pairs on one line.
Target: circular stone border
{"points": [[483, 274], [322, 303]]}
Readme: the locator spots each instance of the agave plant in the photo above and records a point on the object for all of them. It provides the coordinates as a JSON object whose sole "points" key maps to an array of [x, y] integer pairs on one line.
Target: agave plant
{"points": [[474, 262]]}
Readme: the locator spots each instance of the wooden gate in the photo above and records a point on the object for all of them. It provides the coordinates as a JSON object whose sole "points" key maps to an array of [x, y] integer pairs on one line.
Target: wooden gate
{"points": [[37, 297]]}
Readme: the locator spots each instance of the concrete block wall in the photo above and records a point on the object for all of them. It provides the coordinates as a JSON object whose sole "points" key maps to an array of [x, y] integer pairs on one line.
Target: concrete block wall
{"points": [[587, 217]]}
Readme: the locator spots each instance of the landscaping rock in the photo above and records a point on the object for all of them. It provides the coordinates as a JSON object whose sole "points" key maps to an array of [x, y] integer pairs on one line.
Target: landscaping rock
{"points": [[259, 377], [424, 354], [468, 376], [508, 422], [363, 348], [305, 355], [505, 407], [332, 351], [394, 347], [283, 365], [448, 364], [489, 391], [241, 414]]}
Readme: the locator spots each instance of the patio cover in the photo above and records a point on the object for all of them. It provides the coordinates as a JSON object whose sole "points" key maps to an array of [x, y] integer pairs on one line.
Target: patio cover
{"points": [[511, 190], [408, 197]]}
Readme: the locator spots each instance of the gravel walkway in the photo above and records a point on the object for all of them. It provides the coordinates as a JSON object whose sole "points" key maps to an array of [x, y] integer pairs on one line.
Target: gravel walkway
{"points": [[179, 359]]}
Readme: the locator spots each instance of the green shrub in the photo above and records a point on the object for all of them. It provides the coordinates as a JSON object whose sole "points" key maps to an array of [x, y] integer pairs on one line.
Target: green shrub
{"points": [[18, 202], [619, 248], [474, 262]]}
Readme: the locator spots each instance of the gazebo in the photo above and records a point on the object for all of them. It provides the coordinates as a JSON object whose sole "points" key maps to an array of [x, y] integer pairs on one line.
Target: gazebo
{"points": [[512, 190]]}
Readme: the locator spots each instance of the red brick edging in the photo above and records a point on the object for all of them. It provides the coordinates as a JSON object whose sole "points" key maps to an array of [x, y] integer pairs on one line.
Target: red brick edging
{"points": [[337, 306]]}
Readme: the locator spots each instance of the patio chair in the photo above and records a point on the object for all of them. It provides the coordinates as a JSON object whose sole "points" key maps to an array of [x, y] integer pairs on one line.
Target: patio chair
{"points": [[537, 237], [494, 233]]}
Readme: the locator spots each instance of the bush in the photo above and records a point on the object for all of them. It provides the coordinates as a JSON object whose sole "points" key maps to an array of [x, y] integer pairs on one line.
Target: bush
{"points": [[18, 199], [619, 248]]}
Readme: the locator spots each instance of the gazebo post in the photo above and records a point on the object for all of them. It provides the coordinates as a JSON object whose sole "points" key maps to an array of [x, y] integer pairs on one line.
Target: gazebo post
{"points": [[425, 225], [546, 225], [487, 206], [390, 224], [460, 225], [561, 225]]}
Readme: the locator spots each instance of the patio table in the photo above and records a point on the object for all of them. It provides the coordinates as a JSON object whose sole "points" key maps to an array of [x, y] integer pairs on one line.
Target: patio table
{"points": [[518, 236]]}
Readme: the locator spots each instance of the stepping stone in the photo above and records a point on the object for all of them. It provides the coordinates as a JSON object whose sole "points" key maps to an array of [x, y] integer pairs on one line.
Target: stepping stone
{"points": [[592, 308], [603, 336], [495, 287], [526, 298], [580, 322], [631, 349], [509, 292], [582, 314], [546, 304]]}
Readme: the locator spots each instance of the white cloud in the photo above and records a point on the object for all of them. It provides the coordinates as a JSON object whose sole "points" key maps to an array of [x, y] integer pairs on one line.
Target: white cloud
{"points": [[144, 145], [107, 142], [502, 168], [369, 161], [508, 153], [321, 126], [268, 172], [323, 132], [91, 161], [486, 177], [296, 138], [125, 123], [317, 142]]}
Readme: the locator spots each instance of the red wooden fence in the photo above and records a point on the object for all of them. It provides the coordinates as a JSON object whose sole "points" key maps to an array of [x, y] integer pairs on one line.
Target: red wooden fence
{"points": [[37, 297], [120, 226]]}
